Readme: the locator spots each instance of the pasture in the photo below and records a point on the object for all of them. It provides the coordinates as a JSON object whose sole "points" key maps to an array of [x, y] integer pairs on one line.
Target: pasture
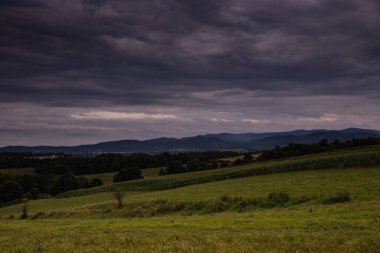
{"points": [[89, 221]]}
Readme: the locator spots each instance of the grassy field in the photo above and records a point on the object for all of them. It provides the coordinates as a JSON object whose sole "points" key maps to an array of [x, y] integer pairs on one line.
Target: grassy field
{"points": [[361, 157], [334, 228], [362, 183], [93, 223], [17, 171], [151, 172], [107, 178]]}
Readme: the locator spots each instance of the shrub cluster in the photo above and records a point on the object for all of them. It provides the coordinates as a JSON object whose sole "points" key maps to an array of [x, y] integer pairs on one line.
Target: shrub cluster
{"points": [[227, 203], [339, 197], [221, 204], [224, 203]]}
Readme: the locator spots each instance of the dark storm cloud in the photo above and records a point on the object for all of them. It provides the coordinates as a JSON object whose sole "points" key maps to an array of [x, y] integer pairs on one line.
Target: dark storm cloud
{"points": [[247, 44], [212, 55]]}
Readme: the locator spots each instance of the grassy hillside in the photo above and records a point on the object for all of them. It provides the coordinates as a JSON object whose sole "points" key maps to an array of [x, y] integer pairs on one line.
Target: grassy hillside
{"points": [[361, 157], [343, 228], [308, 227], [93, 223], [362, 183]]}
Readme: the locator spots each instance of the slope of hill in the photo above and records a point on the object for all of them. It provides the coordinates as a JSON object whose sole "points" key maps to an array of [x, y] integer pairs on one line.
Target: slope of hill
{"points": [[223, 141], [217, 216]]}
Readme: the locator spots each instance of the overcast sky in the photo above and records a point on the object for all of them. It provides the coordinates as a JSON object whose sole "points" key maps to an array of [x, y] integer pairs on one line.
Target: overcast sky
{"points": [[75, 72]]}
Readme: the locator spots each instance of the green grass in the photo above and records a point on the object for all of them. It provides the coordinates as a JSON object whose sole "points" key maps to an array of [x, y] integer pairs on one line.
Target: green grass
{"points": [[17, 171], [151, 172], [92, 223], [360, 157], [107, 178], [362, 183], [338, 228]]}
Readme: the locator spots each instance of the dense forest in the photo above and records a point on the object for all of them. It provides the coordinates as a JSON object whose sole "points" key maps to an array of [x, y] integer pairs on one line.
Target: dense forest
{"points": [[35, 186], [322, 146], [18, 160]]}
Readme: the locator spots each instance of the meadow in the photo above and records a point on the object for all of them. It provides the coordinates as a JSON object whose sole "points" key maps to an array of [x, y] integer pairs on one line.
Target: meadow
{"points": [[17, 171], [326, 229], [360, 157], [92, 222]]}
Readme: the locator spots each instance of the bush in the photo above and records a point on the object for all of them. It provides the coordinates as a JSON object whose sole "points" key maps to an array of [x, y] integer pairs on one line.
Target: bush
{"points": [[34, 193], [127, 174], [38, 215], [83, 182], [162, 172], [96, 182], [24, 210], [339, 197], [65, 182], [224, 164], [278, 198], [119, 196], [10, 190]]}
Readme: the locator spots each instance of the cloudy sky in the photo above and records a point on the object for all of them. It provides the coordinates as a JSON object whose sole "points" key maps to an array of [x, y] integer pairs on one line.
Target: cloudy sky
{"points": [[74, 72]]}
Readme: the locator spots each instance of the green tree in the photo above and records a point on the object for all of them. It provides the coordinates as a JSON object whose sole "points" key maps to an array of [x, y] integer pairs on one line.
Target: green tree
{"points": [[96, 182], [34, 193], [10, 190], [175, 167], [248, 157], [127, 174], [65, 182]]}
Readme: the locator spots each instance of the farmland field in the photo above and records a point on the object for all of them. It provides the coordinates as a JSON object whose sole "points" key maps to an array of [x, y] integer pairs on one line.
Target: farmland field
{"points": [[190, 218], [362, 157]]}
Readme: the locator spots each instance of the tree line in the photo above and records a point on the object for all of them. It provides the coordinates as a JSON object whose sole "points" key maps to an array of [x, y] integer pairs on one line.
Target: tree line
{"points": [[322, 146], [63, 173], [105, 163], [191, 165], [18, 160], [35, 186]]}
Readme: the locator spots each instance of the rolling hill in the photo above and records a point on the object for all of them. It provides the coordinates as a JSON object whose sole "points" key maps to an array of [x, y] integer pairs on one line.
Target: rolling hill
{"points": [[222, 141], [231, 211]]}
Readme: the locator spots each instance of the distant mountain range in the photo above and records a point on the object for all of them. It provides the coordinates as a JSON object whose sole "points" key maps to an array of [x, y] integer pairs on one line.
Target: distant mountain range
{"points": [[222, 141]]}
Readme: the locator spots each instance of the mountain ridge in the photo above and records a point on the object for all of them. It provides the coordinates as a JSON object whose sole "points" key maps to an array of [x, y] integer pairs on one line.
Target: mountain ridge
{"points": [[206, 142]]}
